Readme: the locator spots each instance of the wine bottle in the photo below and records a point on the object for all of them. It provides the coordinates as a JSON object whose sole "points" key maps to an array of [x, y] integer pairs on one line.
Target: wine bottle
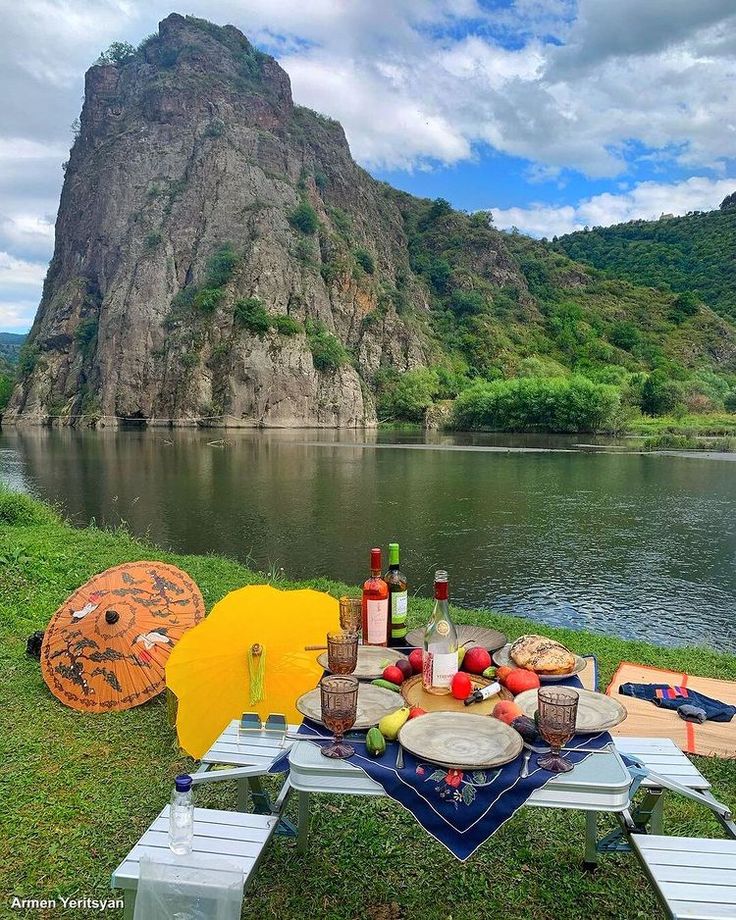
{"points": [[439, 662], [376, 620], [397, 596]]}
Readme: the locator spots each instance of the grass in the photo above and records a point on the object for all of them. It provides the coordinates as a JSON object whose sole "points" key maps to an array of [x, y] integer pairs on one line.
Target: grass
{"points": [[78, 790], [713, 423]]}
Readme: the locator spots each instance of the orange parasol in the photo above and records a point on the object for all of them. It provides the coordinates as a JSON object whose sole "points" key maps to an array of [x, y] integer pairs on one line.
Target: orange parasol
{"points": [[106, 648]]}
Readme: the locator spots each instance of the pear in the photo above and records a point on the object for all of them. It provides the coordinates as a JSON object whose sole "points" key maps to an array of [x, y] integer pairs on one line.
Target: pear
{"points": [[460, 655], [390, 725]]}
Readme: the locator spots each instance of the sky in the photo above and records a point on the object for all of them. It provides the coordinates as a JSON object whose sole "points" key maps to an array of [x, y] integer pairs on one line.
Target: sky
{"points": [[552, 114]]}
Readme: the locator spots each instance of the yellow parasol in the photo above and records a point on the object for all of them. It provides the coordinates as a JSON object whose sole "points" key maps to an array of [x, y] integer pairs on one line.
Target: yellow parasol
{"points": [[247, 656]]}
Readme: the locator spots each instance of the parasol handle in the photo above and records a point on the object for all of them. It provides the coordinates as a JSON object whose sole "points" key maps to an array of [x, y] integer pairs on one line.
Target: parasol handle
{"points": [[315, 648]]}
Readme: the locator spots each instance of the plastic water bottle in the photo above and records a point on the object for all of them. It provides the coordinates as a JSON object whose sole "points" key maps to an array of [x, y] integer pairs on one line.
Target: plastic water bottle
{"points": [[181, 816]]}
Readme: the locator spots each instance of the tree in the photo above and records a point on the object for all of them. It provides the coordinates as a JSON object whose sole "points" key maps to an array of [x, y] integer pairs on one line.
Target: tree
{"points": [[304, 218], [117, 53], [659, 394]]}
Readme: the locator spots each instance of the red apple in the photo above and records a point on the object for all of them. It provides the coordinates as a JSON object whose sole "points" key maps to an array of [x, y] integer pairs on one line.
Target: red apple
{"points": [[417, 711], [476, 660], [393, 674], [461, 686], [416, 657]]}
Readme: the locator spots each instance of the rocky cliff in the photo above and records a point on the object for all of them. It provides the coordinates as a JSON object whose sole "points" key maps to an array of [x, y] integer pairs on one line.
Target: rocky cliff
{"points": [[221, 259]]}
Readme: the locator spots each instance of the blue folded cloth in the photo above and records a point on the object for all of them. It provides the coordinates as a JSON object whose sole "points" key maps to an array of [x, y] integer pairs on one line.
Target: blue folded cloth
{"points": [[667, 697]]}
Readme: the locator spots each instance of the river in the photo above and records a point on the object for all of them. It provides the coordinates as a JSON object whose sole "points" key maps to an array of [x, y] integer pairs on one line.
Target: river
{"points": [[642, 546]]}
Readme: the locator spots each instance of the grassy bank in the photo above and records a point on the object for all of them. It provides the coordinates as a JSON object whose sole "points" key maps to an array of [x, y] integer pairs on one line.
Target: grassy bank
{"points": [[78, 790]]}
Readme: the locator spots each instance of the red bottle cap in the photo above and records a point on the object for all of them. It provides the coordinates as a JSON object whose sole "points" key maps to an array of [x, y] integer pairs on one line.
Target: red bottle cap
{"points": [[376, 558], [441, 586]]}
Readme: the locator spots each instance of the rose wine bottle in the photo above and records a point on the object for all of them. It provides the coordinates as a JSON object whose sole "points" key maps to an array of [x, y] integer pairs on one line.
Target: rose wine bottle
{"points": [[397, 596], [439, 662], [376, 620]]}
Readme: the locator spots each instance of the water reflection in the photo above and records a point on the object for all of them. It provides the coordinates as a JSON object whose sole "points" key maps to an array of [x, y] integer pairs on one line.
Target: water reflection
{"points": [[643, 546]]}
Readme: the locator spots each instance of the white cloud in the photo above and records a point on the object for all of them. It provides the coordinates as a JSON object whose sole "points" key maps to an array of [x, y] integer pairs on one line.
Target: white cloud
{"points": [[19, 273], [645, 201], [17, 316]]}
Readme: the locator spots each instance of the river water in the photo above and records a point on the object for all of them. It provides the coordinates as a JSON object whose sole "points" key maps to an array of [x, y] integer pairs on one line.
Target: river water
{"points": [[643, 546]]}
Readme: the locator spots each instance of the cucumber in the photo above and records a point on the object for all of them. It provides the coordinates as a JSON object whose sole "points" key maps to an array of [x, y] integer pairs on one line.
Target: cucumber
{"points": [[386, 684], [375, 743]]}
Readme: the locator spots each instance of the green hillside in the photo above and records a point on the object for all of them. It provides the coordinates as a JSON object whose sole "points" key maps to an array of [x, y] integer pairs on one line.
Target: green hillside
{"points": [[693, 253]]}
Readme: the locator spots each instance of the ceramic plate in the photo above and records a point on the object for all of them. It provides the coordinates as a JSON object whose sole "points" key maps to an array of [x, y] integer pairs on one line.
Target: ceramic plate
{"points": [[596, 711], [415, 695], [473, 635], [370, 661], [467, 743], [373, 704], [502, 657]]}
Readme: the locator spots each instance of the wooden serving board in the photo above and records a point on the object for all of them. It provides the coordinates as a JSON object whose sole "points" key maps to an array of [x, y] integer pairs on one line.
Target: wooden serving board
{"points": [[415, 695]]}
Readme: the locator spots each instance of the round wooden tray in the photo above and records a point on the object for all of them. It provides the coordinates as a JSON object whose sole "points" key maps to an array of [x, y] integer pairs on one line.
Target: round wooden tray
{"points": [[415, 695], [467, 635]]}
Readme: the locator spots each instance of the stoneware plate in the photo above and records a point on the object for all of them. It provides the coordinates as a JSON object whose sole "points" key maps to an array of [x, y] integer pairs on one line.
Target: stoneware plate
{"points": [[596, 711], [370, 661], [471, 743], [472, 635], [502, 657], [373, 704], [415, 695]]}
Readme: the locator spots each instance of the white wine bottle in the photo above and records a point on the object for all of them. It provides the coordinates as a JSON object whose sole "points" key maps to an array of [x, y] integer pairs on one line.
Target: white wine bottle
{"points": [[439, 662]]}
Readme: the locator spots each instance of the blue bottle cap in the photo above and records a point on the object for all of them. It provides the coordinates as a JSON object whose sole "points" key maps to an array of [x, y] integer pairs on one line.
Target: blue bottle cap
{"points": [[183, 782]]}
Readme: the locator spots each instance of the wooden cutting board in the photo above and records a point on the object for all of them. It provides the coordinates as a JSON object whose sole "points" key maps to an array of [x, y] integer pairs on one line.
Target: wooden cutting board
{"points": [[415, 695]]}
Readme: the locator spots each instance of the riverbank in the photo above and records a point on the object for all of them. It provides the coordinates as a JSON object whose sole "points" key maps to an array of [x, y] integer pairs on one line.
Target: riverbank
{"points": [[78, 790]]}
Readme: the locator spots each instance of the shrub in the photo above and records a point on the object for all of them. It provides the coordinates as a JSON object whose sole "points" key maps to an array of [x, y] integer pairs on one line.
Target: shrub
{"points": [[21, 510], [342, 221], [365, 260], [304, 218], [221, 266], [28, 358], [304, 251], [287, 325], [85, 335], [152, 240], [659, 394], [251, 314], [6, 388], [537, 403], [208, 299], [466, 303], [729, 401], [216, 128], [410, 396], [685, 305], [328, 352], [117, 53], [624, 335], [184, 299]]}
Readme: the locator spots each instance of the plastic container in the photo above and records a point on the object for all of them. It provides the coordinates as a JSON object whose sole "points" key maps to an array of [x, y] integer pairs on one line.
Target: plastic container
{"points": [[181, 816]]}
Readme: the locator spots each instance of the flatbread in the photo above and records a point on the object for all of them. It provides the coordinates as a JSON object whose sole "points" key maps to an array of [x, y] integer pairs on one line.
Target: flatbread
{"points": [[541, 654]]}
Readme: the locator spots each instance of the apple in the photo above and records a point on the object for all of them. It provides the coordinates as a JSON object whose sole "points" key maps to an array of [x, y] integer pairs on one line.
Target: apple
{"points": [[416, 659], [476, 660], [461, 686], [393, 675], [417, 711]]}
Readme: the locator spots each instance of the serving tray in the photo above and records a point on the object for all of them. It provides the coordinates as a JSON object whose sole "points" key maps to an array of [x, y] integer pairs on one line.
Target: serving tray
{"points": [[373, 704], [503, 658], [415, 695], [596, 711], [467, 635], [471, 743], [370, 661]]}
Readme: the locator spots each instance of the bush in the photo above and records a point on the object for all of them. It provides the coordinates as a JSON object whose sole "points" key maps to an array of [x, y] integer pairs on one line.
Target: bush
{"points": [[251, 314], [85, 335], [466, 303], [365, 260], [6, 389], [221, 266], [208, 299], [287, 325], [729, 401], [410, 396], [21, 510], [304, 218], [328, 352], [538, 403], [117, 53], [304, 252], [28, 358], [624, 335], [659, 394]]}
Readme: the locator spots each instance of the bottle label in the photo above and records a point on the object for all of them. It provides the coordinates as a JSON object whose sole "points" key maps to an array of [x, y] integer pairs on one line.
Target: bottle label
{"points": [[377, 619], [399, 606], [443, 628], [444, 668]]}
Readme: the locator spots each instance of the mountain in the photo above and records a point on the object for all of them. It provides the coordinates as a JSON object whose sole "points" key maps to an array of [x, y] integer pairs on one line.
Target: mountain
{"points": [[10, 343], [220, 258], [695, 253]]}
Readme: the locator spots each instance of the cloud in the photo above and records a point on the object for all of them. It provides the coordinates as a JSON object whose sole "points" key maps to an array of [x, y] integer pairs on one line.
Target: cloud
{"points": [[645, 201], [17, 315]]}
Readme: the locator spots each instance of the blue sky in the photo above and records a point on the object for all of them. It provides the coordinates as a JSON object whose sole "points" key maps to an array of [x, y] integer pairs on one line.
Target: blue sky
{"points": [[553, 114]]}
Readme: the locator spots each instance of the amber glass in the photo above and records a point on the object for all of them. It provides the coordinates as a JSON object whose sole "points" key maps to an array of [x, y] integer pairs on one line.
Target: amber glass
{"points": [[342, 652], [339, 697], [558, 709], [351, 614]]}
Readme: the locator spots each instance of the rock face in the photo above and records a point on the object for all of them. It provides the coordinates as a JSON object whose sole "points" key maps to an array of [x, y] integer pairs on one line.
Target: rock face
{"points": [[190, 154]]}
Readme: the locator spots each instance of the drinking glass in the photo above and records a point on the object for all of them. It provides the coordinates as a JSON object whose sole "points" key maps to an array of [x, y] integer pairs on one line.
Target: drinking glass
{"points": [[339, 697], [342, 652], [351, 614], [558, 709]]}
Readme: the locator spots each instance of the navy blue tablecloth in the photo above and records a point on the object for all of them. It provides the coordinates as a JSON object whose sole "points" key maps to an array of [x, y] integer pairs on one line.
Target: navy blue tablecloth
{"points": [[459, 809]]}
